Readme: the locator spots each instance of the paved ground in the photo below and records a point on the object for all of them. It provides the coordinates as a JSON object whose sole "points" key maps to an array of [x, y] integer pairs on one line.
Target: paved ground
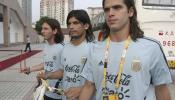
{"points": [[15, 85], [18, 86]]}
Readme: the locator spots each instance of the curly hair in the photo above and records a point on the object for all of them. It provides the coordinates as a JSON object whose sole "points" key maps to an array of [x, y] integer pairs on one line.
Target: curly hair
{"points": [[54, 24]]}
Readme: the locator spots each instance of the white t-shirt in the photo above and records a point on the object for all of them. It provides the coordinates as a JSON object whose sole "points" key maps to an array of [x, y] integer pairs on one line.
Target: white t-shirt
{"points": [[52, 62], [28, 39], [145, 65], [73, 60]]}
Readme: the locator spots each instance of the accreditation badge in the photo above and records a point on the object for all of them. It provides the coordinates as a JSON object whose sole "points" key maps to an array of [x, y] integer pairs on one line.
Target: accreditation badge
{"points": [[105, 97], [110, 97], [113, 97]]}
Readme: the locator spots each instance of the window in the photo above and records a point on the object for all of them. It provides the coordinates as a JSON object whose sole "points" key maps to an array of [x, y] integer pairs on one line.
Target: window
{"points": [[165, 3], [1, 17]]}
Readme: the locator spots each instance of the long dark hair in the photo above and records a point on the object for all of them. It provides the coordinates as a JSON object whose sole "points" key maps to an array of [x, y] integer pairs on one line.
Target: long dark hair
{"points": [[83, 17], [54, 24], [135, 31]]}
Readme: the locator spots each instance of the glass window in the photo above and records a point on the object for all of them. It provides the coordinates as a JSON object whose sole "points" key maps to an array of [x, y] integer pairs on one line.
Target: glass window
{"points": [[153, 1], [173, 2], [167, 3], [1, 12], [1, 17]]}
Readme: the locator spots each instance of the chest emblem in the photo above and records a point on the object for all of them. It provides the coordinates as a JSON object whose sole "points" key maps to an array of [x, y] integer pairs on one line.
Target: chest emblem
{"points": [[54, 57], [83, 60], [136, 65]]}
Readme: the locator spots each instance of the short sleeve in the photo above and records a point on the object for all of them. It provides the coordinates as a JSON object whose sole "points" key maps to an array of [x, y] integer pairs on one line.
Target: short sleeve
{"points": [[160, 73]]}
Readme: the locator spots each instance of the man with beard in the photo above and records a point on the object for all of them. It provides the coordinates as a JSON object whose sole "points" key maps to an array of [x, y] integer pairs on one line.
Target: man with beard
{"points": [[74, 54]]}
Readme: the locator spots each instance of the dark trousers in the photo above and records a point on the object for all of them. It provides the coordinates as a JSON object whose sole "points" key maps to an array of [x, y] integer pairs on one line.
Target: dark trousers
{"points": [[28, 46], [48, 98]]}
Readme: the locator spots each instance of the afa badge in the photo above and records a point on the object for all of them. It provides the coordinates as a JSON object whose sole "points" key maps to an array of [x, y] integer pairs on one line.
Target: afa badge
{"points": [[83, 60], [54, 57], [136, 65]]}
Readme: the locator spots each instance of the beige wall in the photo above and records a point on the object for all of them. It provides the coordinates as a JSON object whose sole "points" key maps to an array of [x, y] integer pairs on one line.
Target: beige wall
{"points": [[19, 26]]}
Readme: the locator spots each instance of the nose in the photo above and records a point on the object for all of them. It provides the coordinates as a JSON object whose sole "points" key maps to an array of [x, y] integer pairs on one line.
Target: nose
{"points": [[42, 31], [70, 26], [111, 12]]}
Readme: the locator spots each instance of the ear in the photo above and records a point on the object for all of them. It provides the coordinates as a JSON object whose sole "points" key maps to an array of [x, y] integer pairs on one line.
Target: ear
{"points": [[86, 26], [131, 12], [54, 31]]}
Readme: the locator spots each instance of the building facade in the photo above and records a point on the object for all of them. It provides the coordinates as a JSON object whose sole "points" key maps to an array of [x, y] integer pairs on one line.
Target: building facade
{"points": [[14, 24], [57, 9], [94, 11], [26, 6]]}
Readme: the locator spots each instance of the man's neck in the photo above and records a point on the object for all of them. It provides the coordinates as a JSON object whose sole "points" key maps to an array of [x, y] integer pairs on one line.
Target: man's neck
{"points": [[119, 35], [77, 42], [51, 41]]}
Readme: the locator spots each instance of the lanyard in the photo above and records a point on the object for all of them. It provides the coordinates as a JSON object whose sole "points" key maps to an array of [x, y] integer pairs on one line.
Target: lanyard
{"points": [[121, 64]]}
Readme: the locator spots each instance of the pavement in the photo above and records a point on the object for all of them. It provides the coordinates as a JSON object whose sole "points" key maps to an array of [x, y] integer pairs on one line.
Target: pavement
{"points": [[18, 86], [15, 85]]}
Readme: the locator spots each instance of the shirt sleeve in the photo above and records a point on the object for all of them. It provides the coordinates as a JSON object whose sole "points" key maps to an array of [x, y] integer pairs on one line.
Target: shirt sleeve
{"points": [[160, 73]]}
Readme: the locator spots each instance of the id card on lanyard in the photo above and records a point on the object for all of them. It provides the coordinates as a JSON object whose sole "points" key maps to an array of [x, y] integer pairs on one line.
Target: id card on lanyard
{"points": [[107, 96], [110, 97]]}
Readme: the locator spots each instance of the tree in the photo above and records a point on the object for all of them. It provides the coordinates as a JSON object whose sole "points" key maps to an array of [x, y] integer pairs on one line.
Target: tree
{"points": [[38, 25]]}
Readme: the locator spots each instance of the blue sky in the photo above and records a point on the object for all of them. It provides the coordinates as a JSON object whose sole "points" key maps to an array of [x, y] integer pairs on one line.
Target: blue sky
{"points": [[79, 4]]}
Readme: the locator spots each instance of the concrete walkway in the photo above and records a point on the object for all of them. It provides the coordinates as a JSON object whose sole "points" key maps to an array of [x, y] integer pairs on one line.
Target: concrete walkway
{"points": [[15, 85]]}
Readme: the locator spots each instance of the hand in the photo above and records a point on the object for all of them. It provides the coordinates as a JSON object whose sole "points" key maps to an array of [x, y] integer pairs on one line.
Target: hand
{"points": [[72, 93], [42, 75], [25, 70]]}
